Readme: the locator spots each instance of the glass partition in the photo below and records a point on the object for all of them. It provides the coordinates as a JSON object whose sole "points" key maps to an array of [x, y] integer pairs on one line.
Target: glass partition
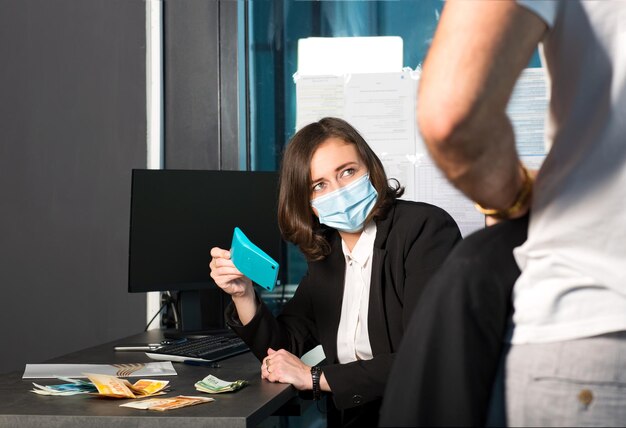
{"points": [[273, 29]]}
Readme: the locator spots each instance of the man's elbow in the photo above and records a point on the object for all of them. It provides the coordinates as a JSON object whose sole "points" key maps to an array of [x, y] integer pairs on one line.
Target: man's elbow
{"points": [[441, 129], [450, 131]]}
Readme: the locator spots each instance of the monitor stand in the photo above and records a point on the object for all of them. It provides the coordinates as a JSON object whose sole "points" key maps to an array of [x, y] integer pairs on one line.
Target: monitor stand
{"points": [[202, 310]]}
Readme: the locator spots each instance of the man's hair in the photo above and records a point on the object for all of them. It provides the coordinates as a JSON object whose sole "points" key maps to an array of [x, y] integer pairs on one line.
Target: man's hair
{"points": [[298, 223]]}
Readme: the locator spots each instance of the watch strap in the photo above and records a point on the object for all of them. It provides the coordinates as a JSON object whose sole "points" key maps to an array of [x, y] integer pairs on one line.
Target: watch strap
{"points": [[316, 374]]}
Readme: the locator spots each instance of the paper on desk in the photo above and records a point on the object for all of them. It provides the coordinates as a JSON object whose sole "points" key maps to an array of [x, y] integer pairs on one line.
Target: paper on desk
{"points": [[41, 371]]}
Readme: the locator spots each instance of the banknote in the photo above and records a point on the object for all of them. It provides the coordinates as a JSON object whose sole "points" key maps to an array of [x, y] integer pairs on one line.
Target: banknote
{"points": [[147, 387], [214, 385], [63, 389], [74, 387], [111, 386], [163, 404]]}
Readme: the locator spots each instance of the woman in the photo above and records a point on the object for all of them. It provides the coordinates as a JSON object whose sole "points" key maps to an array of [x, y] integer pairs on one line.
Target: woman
{"points": [[369, 256]]}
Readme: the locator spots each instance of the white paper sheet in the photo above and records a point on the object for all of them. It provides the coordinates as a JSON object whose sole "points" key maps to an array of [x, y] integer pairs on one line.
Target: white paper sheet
{"points": [[318, 97], [432, 187], [402, 168], [340, 55], [41, 371], [381, 106], [527, 110]]}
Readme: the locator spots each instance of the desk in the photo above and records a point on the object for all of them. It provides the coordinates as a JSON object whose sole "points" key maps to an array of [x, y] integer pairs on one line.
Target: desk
{"points": [[245, 408]]}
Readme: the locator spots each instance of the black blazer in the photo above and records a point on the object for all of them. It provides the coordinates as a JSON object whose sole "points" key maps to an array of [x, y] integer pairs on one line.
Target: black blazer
{"points": [[410, 245]]}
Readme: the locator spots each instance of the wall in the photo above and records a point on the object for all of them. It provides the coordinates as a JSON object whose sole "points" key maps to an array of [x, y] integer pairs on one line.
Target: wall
{"points": [[201, 88], [72, 126]]}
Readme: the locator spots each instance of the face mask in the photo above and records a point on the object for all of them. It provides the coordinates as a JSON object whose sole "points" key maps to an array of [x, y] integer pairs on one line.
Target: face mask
{"points": [[347, 208]]}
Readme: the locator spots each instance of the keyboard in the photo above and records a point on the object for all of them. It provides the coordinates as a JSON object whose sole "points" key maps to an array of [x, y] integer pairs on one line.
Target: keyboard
{"points": [[207, 348]]}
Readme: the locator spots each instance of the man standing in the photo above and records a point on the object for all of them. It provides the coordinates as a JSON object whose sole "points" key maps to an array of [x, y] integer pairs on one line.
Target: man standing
{"points": [[566, 362]]}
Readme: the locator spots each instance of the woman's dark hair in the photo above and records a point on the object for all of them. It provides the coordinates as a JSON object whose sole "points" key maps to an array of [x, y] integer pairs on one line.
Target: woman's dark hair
{"points": [[298, 223]]}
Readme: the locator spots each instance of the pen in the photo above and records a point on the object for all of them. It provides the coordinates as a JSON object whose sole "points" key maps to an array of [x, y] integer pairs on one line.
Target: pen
{"points": [[146, 347], [202, 363], [173, 341], [149, 346]]}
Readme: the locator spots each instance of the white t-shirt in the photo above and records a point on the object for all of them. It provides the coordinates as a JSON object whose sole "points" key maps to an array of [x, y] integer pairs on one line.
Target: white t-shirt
{"points": [[353, 340], [573, 281]]}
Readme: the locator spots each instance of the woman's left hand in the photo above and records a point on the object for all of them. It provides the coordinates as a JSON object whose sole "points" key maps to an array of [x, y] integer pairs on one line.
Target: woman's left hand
{"points": [[284, 367]]}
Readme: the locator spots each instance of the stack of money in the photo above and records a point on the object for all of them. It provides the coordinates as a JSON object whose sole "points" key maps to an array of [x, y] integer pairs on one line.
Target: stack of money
{"points": [[104, 386], [213, 385], [74, 387], [162, 404], [111, 386]]}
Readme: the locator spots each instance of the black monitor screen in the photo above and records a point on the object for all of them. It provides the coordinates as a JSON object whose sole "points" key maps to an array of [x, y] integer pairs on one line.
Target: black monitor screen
{"points": [[178, 216]]}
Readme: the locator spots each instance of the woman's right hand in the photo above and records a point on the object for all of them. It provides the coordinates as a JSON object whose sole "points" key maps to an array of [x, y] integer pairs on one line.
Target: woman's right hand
{"points": [[227, 276]]}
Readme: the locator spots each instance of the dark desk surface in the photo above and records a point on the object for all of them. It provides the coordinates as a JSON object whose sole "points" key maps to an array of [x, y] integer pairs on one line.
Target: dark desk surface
{"points": [[245, 408]]}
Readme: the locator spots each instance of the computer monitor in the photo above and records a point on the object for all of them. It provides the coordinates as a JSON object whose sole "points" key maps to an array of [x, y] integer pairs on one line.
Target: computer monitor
{"points": [[177, 216]]}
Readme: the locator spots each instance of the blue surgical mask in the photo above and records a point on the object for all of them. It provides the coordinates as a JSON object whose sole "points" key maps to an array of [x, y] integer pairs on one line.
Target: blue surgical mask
{"points": [[346, 209]]}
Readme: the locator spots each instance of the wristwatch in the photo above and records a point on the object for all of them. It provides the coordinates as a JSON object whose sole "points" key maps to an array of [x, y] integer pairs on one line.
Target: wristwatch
{"points": [[316, 373]]}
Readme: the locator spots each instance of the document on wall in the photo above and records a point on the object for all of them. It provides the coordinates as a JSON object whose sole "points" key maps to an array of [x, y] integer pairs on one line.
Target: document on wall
{"points": [[381, 106], [341, 55], [325, 65], [318, 97], [528, 109], [43, 371], [432, 187], [401, 168]]}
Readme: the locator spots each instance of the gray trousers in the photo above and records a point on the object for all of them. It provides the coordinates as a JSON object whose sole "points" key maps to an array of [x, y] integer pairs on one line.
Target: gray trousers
{"points": [[571, 383]]}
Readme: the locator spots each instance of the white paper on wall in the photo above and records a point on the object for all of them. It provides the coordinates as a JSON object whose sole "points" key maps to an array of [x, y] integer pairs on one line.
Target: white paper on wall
{"points": [[402, 168], [527, 110], [382, 107], [343, 55], [318, 97], [432, 186]]}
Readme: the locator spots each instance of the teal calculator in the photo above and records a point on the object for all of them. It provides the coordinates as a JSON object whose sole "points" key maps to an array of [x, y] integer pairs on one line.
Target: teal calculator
{"points": [[252, 261]]}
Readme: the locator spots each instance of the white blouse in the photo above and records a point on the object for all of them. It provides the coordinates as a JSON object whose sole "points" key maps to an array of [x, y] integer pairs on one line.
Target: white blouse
{"points": [[353, 341]]}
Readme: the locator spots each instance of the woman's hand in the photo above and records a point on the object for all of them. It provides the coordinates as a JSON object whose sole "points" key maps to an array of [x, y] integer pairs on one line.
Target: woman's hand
{"points": [[284, 367], [227, 276]]}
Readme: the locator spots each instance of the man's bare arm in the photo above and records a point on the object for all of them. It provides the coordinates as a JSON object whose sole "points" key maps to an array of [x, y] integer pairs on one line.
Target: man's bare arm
{"points": [[479, 50]]}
